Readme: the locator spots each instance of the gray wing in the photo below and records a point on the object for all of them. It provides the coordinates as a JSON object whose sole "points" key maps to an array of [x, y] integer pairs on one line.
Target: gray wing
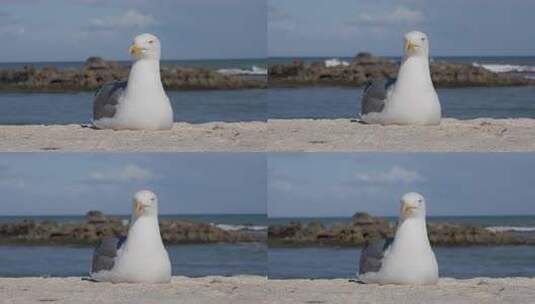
{"points": [[105, 253], [374, 95], [371, 257], [107, 98]]}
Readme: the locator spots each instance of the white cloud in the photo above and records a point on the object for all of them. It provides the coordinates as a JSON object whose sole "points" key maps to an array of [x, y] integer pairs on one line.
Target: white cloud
{"points": [[126, 174], [400, 15], [130, 19], [396, 174]]}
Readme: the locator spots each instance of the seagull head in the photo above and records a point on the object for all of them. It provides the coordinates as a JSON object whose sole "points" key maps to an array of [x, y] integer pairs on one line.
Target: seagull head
{"points": [[412, 206], [145, 46], [145, 204], [416, 44]]}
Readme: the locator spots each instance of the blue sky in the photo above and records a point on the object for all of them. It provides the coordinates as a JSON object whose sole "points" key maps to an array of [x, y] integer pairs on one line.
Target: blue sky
{"points": [[72, 30], [339, 184], [345, 27], [74, 183]]}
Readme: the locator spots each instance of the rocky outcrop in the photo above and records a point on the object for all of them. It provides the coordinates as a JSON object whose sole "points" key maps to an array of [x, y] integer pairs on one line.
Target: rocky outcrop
{"points": [[96, 72], [97, 226], [365, 67], [365, 227]]}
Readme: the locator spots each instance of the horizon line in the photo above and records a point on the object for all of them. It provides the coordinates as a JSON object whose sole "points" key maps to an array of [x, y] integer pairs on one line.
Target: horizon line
{"points": [[127, 214], [440, 215]]}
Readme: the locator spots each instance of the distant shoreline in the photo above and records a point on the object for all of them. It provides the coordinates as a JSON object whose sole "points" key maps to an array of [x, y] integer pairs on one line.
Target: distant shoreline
{"points": [[364, 228], [95, 72], [364, 67], [97, 226]]}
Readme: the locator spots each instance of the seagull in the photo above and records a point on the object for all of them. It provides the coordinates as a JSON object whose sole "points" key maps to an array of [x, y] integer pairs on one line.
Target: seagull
{"points": [[409, 100], [139, 103], [141, 256], [406, 259]]}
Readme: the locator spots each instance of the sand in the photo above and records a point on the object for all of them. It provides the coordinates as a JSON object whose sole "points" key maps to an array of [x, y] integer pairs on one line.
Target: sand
{"points": [[477, 291], [239, 289], [254, 289], [186, 137], [453, 135]]}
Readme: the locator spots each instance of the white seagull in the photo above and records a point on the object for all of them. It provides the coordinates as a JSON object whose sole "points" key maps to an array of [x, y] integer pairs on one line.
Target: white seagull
{"points": [[139, 103], [409, 100], [141, 257], [408, 258]]}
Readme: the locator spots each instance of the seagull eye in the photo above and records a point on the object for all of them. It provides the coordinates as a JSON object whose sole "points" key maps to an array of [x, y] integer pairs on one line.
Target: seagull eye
{"points": [[151, 41], [423, 38]]}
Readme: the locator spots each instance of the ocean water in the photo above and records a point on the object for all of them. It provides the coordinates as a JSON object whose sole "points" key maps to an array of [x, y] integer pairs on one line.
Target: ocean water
{"points": [[518, 221], [186, 260], [344, 102], [252, 66], [285, 103], [521, 225], [522, 65], [194, 260], [189, 106], [462, 103], [232, 222], [196, 106], [457, 262]]}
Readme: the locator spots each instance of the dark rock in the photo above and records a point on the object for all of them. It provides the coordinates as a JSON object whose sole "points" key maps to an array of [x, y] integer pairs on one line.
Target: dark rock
{"points": [[366, 67], [98, 226], [362, 218], [96, 72], [95, 217], [96, 63], [365, 227]]}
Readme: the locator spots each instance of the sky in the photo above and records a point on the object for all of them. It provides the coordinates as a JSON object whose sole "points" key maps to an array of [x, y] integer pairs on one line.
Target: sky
{"points": [[346, 27], [340, 184], [185, 183], [72, 30]]}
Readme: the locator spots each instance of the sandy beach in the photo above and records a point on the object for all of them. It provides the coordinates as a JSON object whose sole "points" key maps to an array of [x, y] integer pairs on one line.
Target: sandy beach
{"points": [[478, 290], [452, 135], [239, 289], [254, 289], [186, 137]]}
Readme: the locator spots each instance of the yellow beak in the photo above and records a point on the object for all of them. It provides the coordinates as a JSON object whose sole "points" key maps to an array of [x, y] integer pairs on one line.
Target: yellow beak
{"points": [[134, 50], [406, 209], [409, 45]]}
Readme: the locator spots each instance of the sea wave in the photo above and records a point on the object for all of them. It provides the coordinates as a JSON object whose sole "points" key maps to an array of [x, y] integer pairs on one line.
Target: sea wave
{"points": [[334, 62], [510, 229], [506, 68], [231, 227], [253, 71]]}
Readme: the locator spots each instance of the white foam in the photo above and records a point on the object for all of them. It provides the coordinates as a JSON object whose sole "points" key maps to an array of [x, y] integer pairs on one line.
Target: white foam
{"points": [[506, 68], [510, 229], [334, 62], [253, 71], [230, 227]]}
